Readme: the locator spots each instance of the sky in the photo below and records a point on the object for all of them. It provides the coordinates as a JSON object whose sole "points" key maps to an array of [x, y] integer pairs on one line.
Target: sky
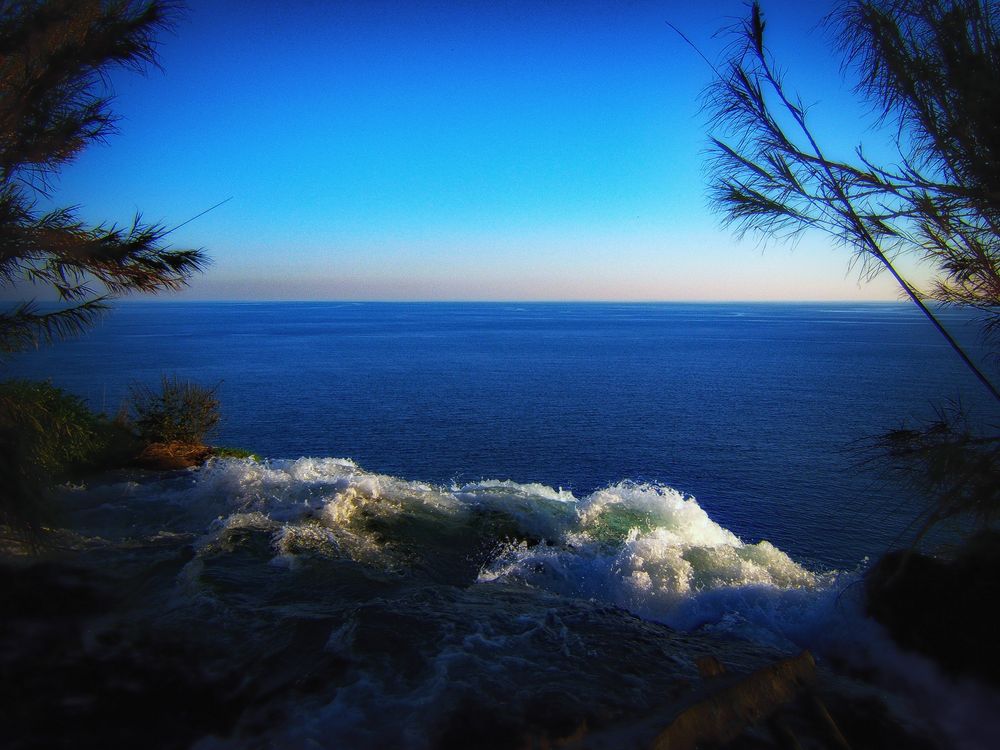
{"points": [[538, 150]]}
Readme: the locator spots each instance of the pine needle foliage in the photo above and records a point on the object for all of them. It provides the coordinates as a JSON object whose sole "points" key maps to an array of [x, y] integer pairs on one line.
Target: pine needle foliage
{"points": [[948, 461], [55, 100], [931, 68], [55, 57]]}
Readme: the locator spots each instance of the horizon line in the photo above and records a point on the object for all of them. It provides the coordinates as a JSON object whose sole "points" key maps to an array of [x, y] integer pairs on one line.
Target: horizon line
{"points": [[333, 300]]}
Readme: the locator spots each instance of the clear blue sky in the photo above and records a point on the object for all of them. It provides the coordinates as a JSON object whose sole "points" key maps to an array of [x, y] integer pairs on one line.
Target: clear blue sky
{"points": [[454, 150]]}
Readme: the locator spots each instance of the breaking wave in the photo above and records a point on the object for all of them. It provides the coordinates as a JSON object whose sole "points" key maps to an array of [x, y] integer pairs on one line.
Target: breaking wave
{"points": [[643, 547], [407, 597]]}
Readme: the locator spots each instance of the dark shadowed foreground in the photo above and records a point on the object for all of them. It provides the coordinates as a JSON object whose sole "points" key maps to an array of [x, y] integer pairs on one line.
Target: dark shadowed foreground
{"points": [[311, 604]]}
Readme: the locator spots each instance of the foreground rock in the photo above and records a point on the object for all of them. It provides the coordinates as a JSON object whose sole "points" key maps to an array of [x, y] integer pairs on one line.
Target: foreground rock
{"points": [[170, 456], [942, 608], [727, 713], [84, 668], [75, 677]]}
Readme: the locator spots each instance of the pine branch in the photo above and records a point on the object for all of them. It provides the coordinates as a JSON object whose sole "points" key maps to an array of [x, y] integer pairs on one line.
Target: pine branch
{"points": [[54, 59], [764, 181], [25, 327]]}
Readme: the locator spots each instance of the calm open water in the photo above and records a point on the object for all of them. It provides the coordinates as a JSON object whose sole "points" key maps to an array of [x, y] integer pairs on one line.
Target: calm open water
{"points": [[751, 408]]}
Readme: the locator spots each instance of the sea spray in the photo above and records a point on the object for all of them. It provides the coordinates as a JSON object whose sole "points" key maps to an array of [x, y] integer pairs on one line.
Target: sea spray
{"points": [[656, 553], [403, 598]]}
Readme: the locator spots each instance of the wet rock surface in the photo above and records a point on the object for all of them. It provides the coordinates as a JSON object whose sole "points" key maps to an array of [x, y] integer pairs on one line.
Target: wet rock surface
{"points": [[83, 667], [75, 675], [943, 608], [170, 456], [311, 605]]}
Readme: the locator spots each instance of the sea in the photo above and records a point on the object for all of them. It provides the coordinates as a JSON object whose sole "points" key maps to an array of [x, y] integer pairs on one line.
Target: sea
{"points": [[468, 502]]}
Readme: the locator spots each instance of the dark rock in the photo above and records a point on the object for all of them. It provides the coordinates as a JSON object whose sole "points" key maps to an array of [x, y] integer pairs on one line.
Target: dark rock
{"points": [[728, 712], [475, 724], [48, 590], [170, 456], [709, 666], [75, 675], [942, 609]]}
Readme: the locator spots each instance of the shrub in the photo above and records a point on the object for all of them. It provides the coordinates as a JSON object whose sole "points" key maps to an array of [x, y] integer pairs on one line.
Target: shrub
{"points": [[223, 452], [180, 411], [55, 426], [46, 434]]}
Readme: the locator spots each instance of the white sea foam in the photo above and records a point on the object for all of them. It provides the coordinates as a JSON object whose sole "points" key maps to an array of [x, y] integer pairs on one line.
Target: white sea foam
{"points": [[475, 491], [643, 547], [664, 506], [656, 552], [647, 548]]}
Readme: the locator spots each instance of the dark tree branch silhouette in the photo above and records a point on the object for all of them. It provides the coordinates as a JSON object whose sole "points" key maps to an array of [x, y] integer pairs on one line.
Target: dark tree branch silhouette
{"points": [[931, 71], [933, 68], [55, 56]]}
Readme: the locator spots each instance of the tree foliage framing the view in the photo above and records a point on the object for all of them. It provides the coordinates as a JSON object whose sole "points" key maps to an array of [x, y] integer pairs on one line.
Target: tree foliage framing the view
{"points": [[55, 56], [931, 70]]}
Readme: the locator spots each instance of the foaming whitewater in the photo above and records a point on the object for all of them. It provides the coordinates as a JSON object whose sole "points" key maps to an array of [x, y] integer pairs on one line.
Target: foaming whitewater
{"points": [[657, 553], [646, 548], [410, 597]]}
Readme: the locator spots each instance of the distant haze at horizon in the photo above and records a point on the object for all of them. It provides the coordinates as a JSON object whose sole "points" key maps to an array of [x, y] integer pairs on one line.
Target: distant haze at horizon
{"points": [[299, 293]]}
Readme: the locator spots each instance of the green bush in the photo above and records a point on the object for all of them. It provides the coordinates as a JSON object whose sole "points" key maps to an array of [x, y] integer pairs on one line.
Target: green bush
{"points": [[55, 427], [223, 452], [180, 411], [46, 435]]}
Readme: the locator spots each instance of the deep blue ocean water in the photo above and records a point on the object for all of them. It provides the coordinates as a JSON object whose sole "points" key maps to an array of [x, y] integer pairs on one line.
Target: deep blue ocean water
{"points": [[554, 510], [755, 409]]}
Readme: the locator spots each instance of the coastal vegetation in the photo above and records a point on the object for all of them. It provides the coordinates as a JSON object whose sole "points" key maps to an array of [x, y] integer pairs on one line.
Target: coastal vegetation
{"points": [[223, 451], [54, 67], [55, 59], [930, 71], [172, 422], [48, 435], [53, 436], [180, 411]]}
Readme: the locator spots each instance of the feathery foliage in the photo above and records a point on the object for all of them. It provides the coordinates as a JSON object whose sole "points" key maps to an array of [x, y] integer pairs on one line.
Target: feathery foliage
{"points": [[948, 461], [932, 69], [46, 435], [179, 411], [55, 56]]}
